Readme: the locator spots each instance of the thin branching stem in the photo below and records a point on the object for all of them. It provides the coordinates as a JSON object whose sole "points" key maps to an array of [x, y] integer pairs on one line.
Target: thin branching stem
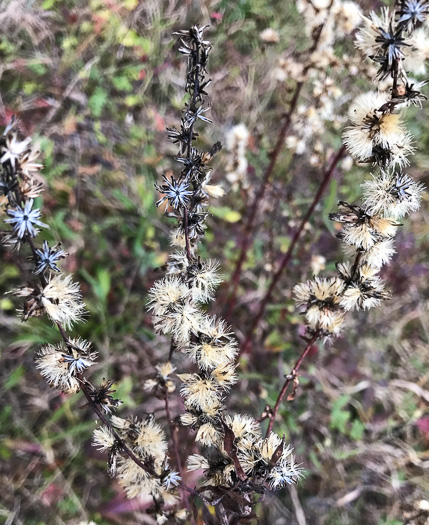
{"points": [[122, 445], [249, 231], [186, 232], [173, 430], [246, 239], [194, 67], [289, 379], [246, 347]]}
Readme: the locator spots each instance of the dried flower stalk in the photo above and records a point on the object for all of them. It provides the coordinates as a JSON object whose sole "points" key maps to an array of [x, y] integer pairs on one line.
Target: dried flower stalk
{"points": [[238, 462], [137, 449], [376, 136]]}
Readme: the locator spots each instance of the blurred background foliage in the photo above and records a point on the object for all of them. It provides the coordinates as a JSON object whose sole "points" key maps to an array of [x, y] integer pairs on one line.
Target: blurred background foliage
{"points": [[96, 83]]}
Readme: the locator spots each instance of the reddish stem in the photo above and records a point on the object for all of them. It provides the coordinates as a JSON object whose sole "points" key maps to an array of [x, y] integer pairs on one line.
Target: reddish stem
{"points": [[287, 256], [245, 242], [289, 378], [172, 427]]}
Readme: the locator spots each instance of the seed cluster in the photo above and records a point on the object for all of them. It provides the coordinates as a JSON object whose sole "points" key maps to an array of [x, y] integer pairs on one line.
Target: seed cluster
{"points": [[378, 136], [137, 448], [237, 462]]}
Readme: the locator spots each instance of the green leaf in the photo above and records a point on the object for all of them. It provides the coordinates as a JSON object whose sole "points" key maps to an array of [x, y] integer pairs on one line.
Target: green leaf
{"points": [[100, 284], [103, 285], [14, 377], [97, 101], [339, 416], [47, 4], [132, 100], [122, 84], [357, 430], [123, 391], [331, 199], [227, 214]]}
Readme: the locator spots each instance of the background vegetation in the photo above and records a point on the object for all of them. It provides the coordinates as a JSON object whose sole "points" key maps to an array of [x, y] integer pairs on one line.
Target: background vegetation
{"points": [[96, 83]]}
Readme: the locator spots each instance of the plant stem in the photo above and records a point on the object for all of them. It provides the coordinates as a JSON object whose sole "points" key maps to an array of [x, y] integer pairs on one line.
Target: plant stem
{"points": [[195, 63], [173, 429], [246, 347], [289, 378], [186, 230], [123, 446], [246, 239], [245, 242]]}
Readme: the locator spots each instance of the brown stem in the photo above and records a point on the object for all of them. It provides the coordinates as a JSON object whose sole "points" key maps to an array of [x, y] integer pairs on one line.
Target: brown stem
{"points": [[395, 78], [246, 239], [289, 378], [196, 89], [287, 256], [190, 131], [125, 449], [186, 230], [355, 265], [173, 429], [245, 242]]}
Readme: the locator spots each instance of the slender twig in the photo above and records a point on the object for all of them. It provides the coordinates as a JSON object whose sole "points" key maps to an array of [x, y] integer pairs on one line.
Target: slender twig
{"points": [[172, 349], [289, 378], [123, 447], [246, 238], [186, 231], [193, 103], [287, 256], [248, 230], [355, 265], [190, 131], [173, 430], [84, 387]]}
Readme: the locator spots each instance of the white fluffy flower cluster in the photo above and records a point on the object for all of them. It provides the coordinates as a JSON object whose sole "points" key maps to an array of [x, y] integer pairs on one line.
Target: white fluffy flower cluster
{"points": [[55, 294], [377, 134], [60, 298], [327, 23], [144, 470], [338, 18], [60, 364], [237, 140], [177, 303], [147, 441], [268, 460]]}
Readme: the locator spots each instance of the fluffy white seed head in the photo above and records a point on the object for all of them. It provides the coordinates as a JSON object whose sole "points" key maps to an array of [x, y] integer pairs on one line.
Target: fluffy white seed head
{"points": [[392, 194], [62, 300], [151, 441], [366, 38], [204, 280], [51, 363], [166, 293], [195, 462], [243, 426], [376, 256], [209, 355], [200, 393], [103, 438], [371, 127], [208, 435]]}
